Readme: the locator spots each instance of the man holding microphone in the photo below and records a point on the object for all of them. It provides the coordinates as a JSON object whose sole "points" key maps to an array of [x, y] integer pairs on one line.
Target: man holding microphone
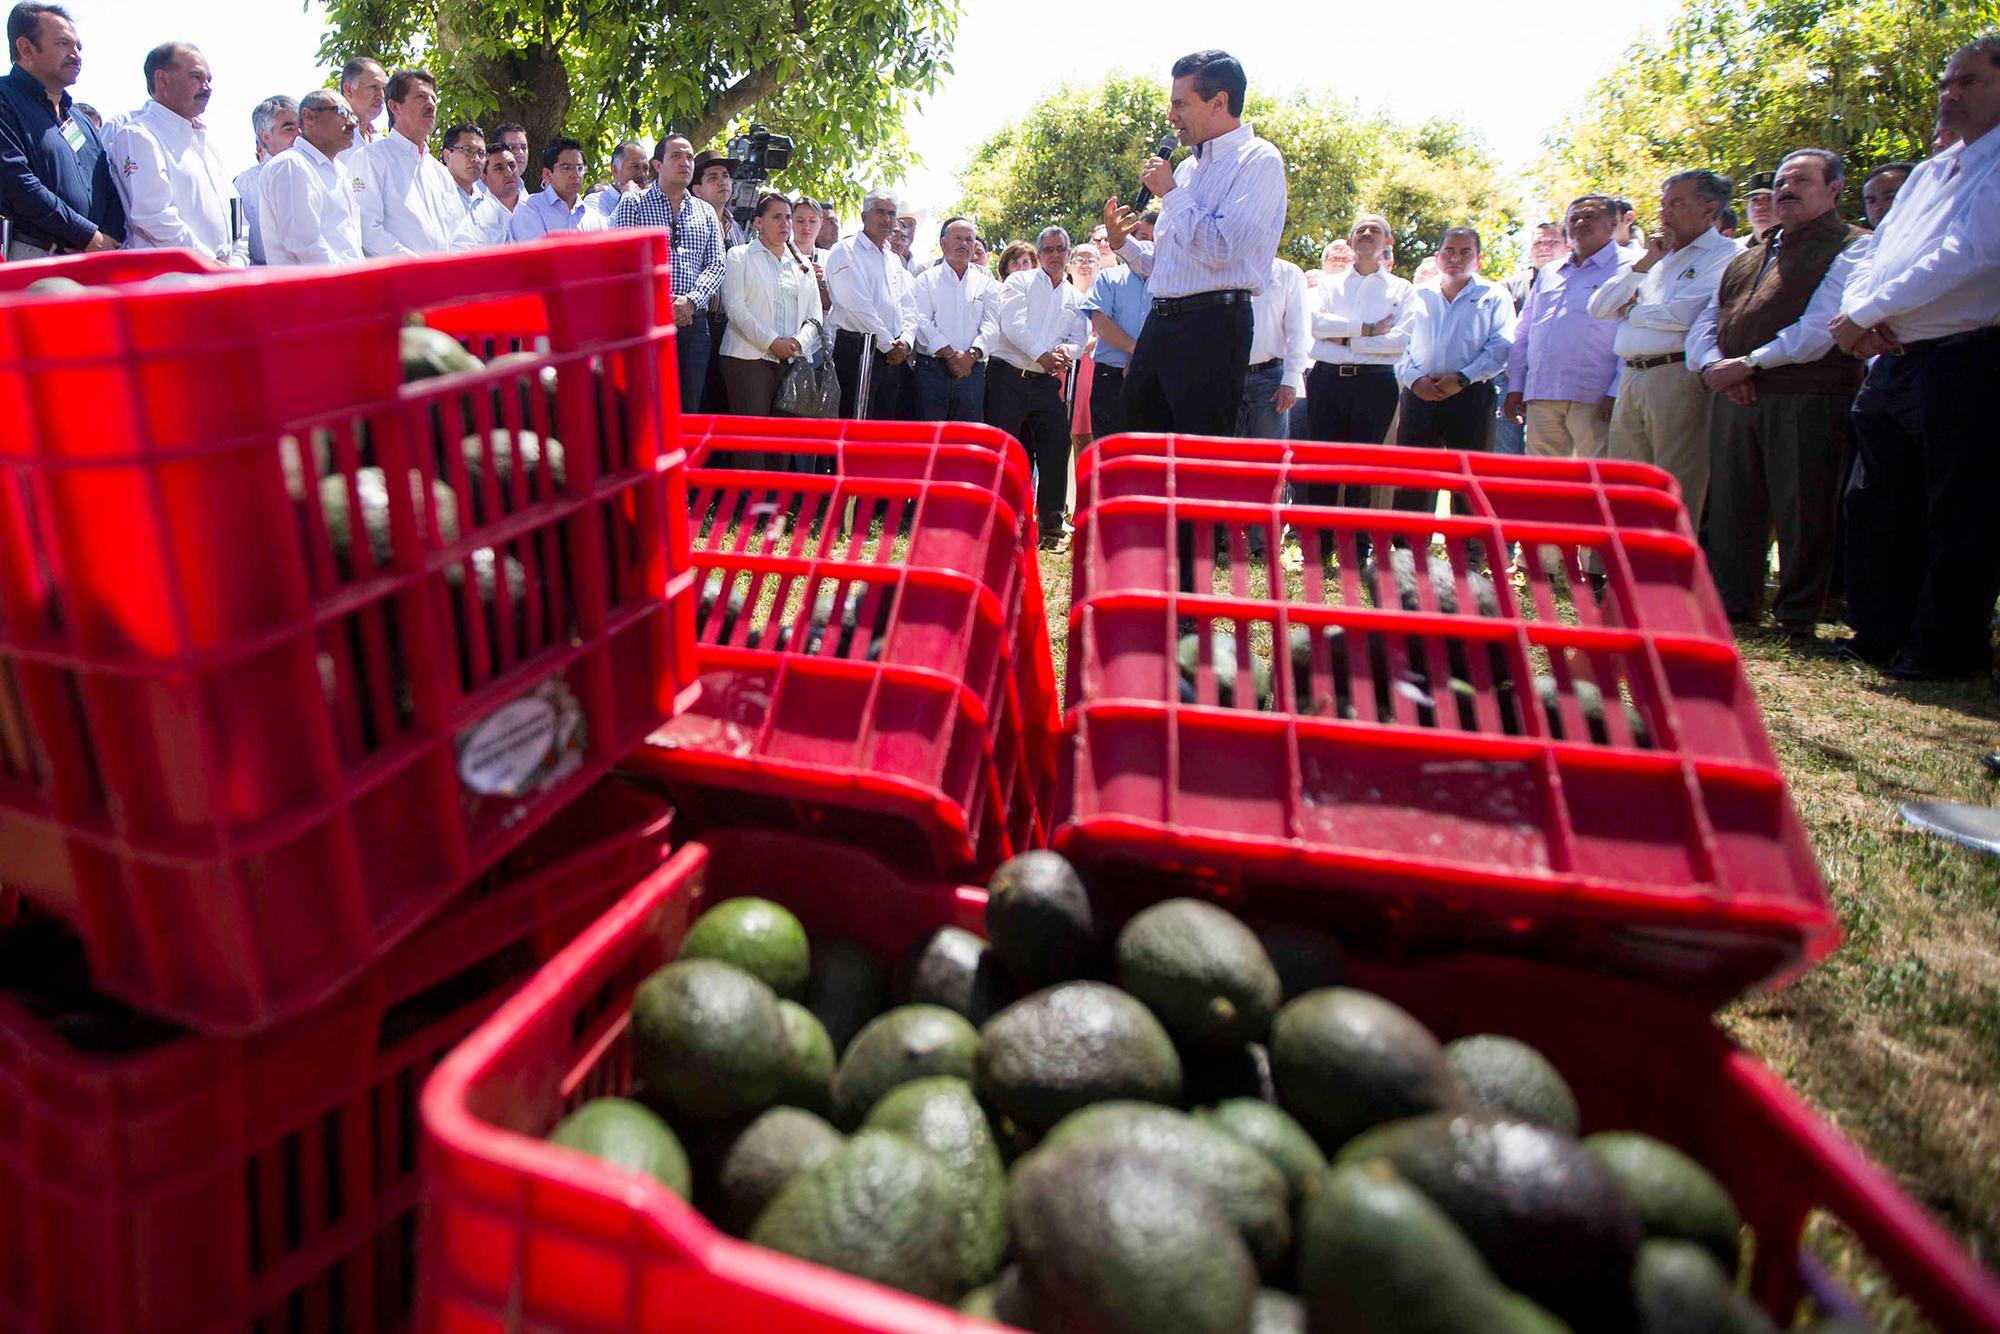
{"points": [[1221, 215]]}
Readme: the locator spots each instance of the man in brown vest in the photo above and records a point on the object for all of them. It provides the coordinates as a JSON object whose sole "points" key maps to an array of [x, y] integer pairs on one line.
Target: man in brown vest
{"points": [[1777, 425]]}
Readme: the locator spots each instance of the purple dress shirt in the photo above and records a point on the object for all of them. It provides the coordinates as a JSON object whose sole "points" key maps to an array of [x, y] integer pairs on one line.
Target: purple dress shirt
{"points": [[1559, 350]]}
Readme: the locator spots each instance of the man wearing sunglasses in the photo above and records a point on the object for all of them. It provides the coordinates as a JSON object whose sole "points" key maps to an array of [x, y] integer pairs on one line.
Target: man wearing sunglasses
{"points": [[305, 198]]}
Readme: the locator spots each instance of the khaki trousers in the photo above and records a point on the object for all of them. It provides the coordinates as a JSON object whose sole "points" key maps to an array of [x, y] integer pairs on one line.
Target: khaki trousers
{"points": [[1563, 428], [1662, 419]]}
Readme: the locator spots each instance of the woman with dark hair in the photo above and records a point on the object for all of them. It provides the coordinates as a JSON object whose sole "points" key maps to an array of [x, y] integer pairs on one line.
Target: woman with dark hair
{"points": [[769, 293], [1018, 256]]}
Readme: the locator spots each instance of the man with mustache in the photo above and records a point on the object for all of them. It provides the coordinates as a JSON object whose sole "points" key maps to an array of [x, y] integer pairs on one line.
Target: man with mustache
{"points": [[177, 192], [55, 179]]}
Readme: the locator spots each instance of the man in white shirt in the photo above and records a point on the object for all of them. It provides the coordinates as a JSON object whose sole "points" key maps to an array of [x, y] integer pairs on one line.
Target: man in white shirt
{"points": [[307, 200], [1661, 416], [1222, 212], [631, 173], [176, 190], [275, 121], [560, 205], [465, 158], [1923, 550], [1280, 351], [500, 186], [1039, 332], [1356, 323], [364, 84], [873, 297], [955, 314], [409, 204]]}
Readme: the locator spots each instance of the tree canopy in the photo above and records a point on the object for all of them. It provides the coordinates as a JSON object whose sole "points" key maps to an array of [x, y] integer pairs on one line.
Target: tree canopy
{"points": [[837, 77], [1734, 85], [1083, 144]]}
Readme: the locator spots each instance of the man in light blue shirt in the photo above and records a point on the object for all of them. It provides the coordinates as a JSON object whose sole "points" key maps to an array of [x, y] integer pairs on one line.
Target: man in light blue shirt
{"points": [[1117, 307], [559, 206], [631, 173], [1460, 332]]}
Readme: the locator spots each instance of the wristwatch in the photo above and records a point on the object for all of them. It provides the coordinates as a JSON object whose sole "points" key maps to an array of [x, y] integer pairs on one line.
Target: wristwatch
{"points": [[1463, 382], [1751, 360], [979, 354]]}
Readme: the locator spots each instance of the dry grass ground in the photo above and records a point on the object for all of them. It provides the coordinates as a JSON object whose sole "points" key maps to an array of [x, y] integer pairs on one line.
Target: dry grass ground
{"points": [[1896, 1039]]}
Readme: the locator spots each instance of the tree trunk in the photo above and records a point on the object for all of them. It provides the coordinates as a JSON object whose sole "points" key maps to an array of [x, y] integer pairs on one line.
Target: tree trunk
{"points": [[533, 88]]}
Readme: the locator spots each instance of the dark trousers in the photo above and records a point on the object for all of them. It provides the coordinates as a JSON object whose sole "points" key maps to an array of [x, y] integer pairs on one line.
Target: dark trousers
{"points": [[892, 395], [751, 384], [1923, 546], [1187, 371], [714, 393], [1774, 464], [691, 344], [1463, 421], [1030, 408], [1351, 409], [940, 398], [1107, 400]]}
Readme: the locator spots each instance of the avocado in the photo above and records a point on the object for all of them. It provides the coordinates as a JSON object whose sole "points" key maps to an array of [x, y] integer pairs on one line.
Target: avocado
{"points": [[758, 936], [1004, 1301], [1529, 1317], [1676, 1196], [909, 1042], [1306, 957], [1051, 1053], [1041, 921], [1546, 1214], [1590, 703], [54, 285], [1222, 664], [959, 971], [1678, 1288], [1444, 587], [1201, 971], [1272, 1132], [627, 1135], [429, 352], [880, 1208], [1245, 1185], [941, 1117], [845, 990], [1213, 1077], [1277, 1312], [1375, 1256], [708, 1042], [1346, 1060], [1116, 1242], [1511, 1078], [809, 1065], [371, 487], [762, 1159]]}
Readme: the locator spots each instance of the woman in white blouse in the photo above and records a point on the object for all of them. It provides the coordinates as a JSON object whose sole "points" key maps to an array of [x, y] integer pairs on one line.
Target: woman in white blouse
{"points": [[769, 293]]}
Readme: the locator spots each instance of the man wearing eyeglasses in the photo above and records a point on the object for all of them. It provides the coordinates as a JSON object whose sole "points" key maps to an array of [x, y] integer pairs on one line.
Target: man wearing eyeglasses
{"points": [[305, 198], [559, 206], [465, 158]]}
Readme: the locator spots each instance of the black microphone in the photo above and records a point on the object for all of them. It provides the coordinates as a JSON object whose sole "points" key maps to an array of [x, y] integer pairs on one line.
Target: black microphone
{"points": [[1168, 142]]}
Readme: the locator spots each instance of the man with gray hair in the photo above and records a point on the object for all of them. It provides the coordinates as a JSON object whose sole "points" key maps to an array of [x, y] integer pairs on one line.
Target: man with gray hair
{"points": [[1039, 336], [364, 85], [177, 192], [631, 173], [873, 298], [276, 123], [1661, 416]]}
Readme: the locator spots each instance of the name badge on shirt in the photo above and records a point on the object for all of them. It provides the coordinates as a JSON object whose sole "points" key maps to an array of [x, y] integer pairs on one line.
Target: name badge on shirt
{"points": [[73, 135]]}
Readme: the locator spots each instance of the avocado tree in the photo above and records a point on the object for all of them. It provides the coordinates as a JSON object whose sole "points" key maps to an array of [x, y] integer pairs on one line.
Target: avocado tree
{"points": [[837, 77]]}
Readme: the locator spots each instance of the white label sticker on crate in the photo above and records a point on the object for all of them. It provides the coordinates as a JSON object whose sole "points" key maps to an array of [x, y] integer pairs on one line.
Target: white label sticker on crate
{"points": [[525, 745]]}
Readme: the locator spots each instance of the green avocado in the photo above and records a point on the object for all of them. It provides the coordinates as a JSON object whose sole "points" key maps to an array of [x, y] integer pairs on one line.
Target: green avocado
{"points": [[1346, 1060], [1201, 971], [909, 1042], [627, 1135], [1065, 1048]]}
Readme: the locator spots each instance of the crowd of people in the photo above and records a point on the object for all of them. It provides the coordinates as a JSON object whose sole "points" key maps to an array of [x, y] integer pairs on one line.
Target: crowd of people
{"points": [[1808, 378]]}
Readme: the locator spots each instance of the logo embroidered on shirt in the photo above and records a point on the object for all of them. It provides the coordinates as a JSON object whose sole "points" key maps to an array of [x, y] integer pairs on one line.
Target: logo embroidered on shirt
{"points": [[1689, 274], [130, 168]]}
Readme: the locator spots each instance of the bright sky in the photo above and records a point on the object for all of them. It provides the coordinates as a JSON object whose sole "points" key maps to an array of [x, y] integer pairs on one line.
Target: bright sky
{"points": [[1510, 83]]}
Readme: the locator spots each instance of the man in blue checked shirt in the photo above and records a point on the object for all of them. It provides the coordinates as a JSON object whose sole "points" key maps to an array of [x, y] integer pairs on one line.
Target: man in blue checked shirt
{"points": [[55, 181], [699, 261], [1117, 307]]}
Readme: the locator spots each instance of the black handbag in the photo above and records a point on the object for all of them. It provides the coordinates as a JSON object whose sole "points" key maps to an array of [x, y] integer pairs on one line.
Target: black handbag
{"points": [[810, 386]]}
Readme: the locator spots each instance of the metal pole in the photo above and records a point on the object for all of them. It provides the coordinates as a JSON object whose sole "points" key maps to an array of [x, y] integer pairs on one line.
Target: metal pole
{"points": [[865, 376]]}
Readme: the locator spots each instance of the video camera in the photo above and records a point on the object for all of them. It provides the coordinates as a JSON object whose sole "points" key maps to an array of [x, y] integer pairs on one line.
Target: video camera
{"points": [[757, 155]]}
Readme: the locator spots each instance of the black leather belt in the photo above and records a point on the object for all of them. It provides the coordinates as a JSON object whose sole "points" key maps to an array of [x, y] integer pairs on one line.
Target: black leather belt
{"points": [[1181, 305], [1347, 368], [1100, 370], [1263, 366], [1949, 340], [1647, 363]]}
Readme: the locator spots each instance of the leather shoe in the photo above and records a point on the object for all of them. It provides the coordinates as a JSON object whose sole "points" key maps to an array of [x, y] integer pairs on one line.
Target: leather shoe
{"points": [[1990, 762], [1910, 667], [1852, 650]]}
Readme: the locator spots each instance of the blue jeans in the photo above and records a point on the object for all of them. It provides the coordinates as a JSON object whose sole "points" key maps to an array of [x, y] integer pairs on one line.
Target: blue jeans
{"points": [[940, 398], [691, 350], [1258, 418], [1509, 437]]}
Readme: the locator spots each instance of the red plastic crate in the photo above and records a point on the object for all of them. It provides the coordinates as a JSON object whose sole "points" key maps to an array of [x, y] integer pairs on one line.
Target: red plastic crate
{"points": [[105, 267], [1432, 817], [519, 1235], [925, 731], [242, 756], [152, 1180]]}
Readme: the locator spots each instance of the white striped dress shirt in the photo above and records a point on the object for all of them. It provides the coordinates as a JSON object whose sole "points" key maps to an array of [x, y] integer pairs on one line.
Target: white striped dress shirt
{"points": [[1219, 228]]}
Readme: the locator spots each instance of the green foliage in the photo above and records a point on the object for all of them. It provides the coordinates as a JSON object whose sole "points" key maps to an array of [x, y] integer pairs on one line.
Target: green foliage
{"points": [[1081, 145], [1735, 84], [837, 75]]}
